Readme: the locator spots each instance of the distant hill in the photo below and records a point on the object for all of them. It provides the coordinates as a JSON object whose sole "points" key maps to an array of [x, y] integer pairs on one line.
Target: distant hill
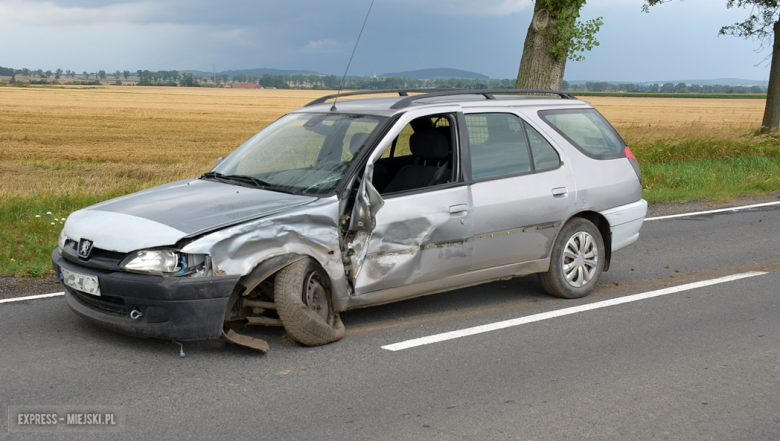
{"points": [[257, 71], [720, 81], [436, 73]]}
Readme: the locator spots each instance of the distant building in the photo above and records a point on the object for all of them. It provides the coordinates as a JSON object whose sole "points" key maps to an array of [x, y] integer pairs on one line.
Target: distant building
{"points": [[246, 86], [5, 79]]}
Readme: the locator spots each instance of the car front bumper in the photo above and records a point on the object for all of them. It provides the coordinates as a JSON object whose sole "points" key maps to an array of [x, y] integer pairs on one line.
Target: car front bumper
{"points": [[171, 308]]}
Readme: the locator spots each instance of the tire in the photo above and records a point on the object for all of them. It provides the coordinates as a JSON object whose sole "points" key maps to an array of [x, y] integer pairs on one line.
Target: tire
{"points": [[576, 260], [303, 302]]}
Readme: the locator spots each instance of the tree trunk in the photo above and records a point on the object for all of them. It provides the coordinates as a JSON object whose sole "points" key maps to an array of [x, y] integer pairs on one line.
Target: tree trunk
{"points": [[772, 110], [539, 68]]}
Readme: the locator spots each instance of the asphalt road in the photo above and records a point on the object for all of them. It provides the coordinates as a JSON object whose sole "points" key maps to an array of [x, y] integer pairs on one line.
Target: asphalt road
{"points": [[702, 363]]}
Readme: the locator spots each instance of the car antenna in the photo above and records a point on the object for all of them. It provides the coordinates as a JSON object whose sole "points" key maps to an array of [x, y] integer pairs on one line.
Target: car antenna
{"points": [[341, 85]]}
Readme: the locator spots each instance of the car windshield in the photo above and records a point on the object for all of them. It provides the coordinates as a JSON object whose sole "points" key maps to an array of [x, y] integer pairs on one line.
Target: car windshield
{"points": [[299, 153]]}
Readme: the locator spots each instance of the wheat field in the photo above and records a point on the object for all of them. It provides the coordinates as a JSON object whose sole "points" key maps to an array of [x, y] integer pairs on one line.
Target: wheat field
{"points": [[68, 140], [642, 121], [82, 140]]}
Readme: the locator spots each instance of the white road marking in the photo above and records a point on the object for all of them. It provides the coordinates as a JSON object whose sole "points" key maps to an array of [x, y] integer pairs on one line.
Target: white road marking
{"points": [[39, 296], [721, 210], [561, 312]]}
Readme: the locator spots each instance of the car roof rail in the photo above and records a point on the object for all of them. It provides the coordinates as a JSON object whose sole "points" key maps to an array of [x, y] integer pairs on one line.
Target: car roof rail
{"points": [[433, 93], [400, 92], [487, 93]]}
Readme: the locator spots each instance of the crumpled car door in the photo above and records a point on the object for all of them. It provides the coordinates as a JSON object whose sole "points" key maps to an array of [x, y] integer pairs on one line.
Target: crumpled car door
{"points": [[408, 238]]}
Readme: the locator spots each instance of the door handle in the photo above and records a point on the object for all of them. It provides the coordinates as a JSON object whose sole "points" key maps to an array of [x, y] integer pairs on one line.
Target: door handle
{"points": [[460, 208], [560, 191]]}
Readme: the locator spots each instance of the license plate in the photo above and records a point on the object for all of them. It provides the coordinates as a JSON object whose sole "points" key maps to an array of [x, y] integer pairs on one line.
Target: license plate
{"points": [[81, 282]]}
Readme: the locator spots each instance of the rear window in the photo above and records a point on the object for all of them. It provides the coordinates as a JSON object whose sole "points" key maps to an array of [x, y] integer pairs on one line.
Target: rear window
{"points": [[587, 130]]}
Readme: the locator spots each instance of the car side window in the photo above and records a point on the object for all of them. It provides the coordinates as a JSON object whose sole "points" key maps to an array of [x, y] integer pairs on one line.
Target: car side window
{"points": [[545, 156], [421, 156], [497, 145]]}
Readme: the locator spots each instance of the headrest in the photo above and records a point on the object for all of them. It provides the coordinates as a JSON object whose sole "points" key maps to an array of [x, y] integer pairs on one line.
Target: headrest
{"points": [[421, 124], [429, 144], [357, 141]]}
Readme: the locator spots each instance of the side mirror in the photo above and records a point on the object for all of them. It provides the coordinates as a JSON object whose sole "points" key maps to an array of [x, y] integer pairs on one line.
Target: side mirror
{"points": [[220, 159]]}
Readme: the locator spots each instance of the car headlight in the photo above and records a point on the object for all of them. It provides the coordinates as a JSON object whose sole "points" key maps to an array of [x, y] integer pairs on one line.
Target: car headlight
{"points": [[165, 262], [63, 238]]}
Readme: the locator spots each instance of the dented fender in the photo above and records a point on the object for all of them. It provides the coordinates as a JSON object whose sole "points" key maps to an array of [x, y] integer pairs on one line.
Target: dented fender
{"points": [[310, 231]]}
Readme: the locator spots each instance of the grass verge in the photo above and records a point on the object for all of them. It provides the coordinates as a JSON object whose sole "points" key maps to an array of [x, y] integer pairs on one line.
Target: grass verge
{"points": [[30, 227], [716, 178]]}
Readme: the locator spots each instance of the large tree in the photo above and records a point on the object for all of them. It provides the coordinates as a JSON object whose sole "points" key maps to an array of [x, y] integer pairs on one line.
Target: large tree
{"points": [[555, 35], [763, 24]]}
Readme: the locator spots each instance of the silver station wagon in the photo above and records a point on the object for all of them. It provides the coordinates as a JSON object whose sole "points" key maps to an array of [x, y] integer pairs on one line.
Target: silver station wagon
{"points": [[347, 203]]}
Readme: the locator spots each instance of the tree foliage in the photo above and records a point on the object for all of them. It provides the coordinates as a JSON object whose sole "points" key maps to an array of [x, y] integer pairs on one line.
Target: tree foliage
{"points": [[759, 25], [569, 35], [189, 80], [603, 86]]}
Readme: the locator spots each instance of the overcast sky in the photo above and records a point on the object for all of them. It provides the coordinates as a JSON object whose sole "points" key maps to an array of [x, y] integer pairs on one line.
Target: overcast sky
{"points": [[675, 41]]}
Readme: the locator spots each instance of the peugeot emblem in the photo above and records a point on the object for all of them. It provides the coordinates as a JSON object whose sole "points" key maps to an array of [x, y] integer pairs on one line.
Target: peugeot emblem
{"points": [[85, 248]]}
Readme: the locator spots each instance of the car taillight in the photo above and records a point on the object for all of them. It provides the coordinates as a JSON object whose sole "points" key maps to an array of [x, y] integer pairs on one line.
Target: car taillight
{"points": [[628, 153], [633, 161]]}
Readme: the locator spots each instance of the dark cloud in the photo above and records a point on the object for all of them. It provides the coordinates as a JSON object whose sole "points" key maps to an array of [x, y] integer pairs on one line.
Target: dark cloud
{"points": [[484, 36]]}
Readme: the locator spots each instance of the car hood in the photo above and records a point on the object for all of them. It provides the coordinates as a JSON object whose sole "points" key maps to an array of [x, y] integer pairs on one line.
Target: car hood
{"points": [[163, 215]]}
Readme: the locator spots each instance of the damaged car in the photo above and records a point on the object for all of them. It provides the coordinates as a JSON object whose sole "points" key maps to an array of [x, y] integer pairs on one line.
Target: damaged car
{"points": [[354, 201]]}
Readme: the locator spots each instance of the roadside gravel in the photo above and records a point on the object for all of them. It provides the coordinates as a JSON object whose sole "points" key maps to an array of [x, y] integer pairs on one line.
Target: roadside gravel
{"points": [[19, 287], [11, 287]]}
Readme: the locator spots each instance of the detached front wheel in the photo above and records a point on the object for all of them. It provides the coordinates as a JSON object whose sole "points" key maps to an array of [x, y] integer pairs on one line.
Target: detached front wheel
{"points": [[576, 261], [303, 302]]}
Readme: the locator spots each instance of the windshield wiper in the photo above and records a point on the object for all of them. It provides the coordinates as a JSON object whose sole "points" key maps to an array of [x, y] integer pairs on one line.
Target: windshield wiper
{"points": [[243, 180], [218, 176], [259, 183]]}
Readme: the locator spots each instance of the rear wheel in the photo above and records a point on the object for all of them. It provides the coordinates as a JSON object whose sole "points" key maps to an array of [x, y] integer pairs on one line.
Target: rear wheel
{"points": [[303, 302], [576, 261]]}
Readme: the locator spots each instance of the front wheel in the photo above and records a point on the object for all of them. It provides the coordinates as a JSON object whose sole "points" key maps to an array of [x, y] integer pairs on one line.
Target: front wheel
{"points": [[576, 261], [303, 302]]}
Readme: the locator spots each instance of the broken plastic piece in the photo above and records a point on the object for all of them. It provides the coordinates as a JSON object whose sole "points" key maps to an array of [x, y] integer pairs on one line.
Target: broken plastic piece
{"points": [[245, 340]]}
